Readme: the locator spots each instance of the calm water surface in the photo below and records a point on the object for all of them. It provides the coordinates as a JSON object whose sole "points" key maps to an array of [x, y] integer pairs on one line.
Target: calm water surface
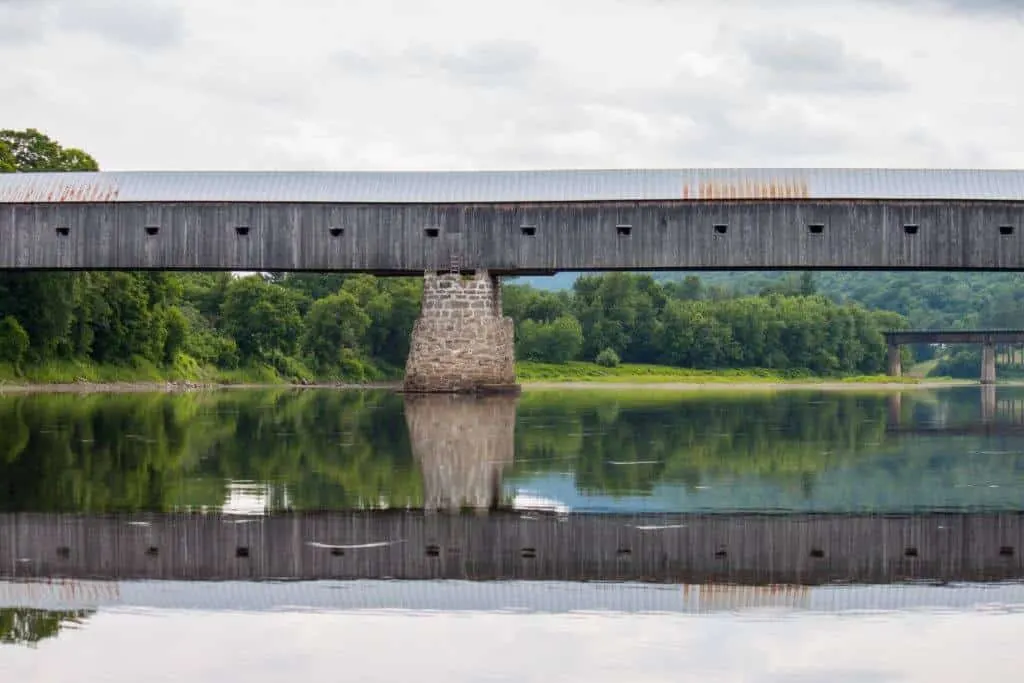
{"points": [[267, 452], [594, 451]]}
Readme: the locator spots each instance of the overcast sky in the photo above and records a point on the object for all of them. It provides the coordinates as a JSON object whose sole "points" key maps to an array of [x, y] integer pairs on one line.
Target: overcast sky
{"points": [[464, 84]]}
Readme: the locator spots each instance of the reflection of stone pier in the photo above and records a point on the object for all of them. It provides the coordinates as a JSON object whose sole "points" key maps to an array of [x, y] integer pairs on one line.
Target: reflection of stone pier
{"points": [[462, 444]]}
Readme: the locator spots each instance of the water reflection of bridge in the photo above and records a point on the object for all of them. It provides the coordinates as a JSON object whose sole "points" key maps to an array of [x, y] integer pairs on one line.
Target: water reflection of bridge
{"points": [[996, 417], [741, 549]]}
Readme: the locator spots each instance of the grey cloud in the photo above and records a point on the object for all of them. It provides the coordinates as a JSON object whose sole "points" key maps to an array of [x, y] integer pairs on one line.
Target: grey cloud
{"points": [[135, 23], [23, 22], [1012, 8], [1000, 8], [497, 63], [811, 62], [149, 24]]}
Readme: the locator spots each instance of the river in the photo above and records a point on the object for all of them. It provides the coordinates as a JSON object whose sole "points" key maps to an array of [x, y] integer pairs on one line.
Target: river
{"points": [[149, 533]]}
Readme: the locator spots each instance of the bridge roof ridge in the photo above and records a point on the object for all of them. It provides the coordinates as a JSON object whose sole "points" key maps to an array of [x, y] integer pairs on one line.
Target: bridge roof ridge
{"points": [[576, 185]]}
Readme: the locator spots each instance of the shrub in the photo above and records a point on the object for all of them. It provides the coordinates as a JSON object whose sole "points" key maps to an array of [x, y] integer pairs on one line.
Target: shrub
{"points": [[607, 359]]}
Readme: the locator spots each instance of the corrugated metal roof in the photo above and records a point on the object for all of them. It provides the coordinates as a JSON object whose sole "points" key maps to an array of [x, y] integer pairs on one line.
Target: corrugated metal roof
{"points": [[512, 186]]}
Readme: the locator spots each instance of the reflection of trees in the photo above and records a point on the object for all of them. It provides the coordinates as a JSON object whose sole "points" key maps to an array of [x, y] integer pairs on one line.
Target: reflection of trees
{"points": [[161, 451], [29, 626], [331, 449], [788, 439], [339, 449], [775, 436]]}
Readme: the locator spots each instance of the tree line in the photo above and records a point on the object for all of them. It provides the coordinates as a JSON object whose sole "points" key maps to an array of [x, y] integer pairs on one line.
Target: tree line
{"points": [[358, 327]]}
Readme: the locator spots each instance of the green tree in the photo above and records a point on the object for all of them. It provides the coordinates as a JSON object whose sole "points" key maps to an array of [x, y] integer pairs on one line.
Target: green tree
{"points": [[13, 341], [335, 324], [8, 164], [261, 317], [558, 341], [33, 151], [26, 626]]}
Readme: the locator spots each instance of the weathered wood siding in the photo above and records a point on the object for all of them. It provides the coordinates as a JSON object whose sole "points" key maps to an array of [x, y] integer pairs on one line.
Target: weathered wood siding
{"points": [[747, 549], [511, 238]]}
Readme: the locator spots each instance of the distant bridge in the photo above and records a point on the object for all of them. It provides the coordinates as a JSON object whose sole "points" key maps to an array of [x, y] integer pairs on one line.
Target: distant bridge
{"points": [[988, 339], [745, 549]]}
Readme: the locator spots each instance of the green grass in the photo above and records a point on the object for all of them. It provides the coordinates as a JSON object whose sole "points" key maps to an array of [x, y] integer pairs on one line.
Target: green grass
{"points": [[922, 369], [187, 369], [140, 371], [658, 374]]}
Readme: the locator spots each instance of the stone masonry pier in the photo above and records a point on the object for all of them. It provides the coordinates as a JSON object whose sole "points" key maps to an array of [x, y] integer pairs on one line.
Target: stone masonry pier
{"points": [[461, 341]]}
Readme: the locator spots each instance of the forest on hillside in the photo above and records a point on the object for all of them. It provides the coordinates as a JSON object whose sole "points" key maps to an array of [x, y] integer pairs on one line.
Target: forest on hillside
{"points": [[357, 327]]}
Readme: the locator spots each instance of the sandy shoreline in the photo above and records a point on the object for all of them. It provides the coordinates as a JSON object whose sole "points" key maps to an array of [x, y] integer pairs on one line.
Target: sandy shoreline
{"points": [[824, 385]]}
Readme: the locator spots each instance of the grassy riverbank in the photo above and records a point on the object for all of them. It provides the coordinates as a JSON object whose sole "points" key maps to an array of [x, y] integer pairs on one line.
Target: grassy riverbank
{"points": [[139, 372], [658, 374], [529, 373]]}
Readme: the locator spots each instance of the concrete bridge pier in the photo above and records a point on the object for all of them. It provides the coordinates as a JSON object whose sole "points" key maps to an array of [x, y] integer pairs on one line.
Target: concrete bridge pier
{"points": [[895, 362], [988, 363], [461, 341]]}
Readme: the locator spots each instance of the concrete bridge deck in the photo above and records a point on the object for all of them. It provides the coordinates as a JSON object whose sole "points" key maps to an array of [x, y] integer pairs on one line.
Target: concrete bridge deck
{"points": [[740, 549], [955, 337]]}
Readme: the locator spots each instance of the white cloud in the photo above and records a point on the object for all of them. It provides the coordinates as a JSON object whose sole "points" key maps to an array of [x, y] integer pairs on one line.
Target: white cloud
{"points": [[398, 84]]}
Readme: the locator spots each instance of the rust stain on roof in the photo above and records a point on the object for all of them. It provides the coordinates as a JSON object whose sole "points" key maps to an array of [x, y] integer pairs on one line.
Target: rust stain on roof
{"points": [[747, 189], [60, 192]]}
